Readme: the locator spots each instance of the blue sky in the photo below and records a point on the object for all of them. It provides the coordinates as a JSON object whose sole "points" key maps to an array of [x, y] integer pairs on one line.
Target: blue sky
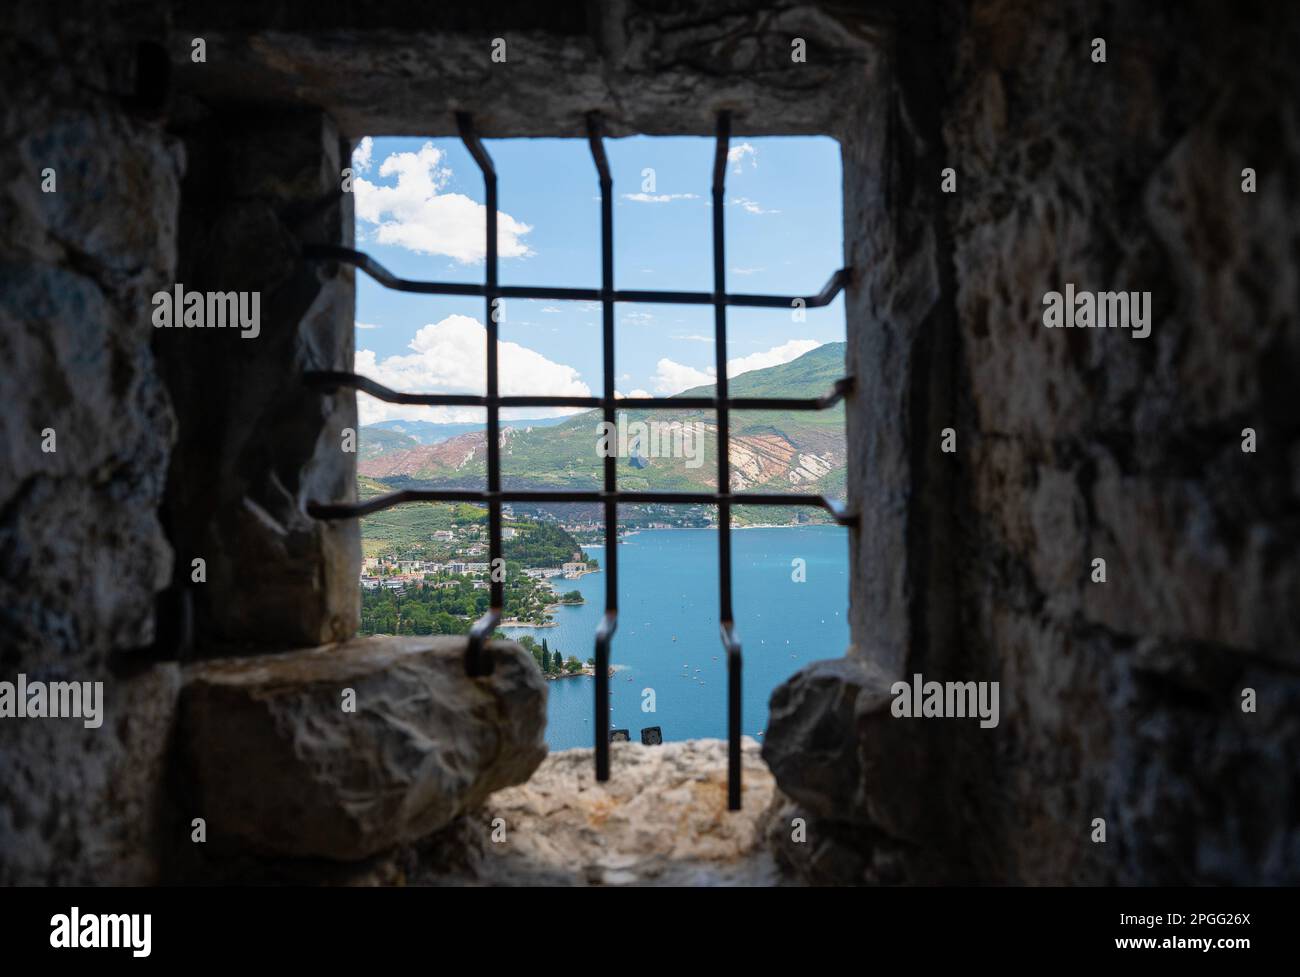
{"points": [[419, 212]]}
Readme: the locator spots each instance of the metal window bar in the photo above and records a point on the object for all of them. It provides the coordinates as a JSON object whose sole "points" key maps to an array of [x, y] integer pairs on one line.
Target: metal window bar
{"points": [[477, 662]]}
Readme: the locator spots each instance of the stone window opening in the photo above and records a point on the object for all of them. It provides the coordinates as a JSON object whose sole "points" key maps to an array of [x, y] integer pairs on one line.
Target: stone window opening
{"points": [[609, 497], [268, 503]]}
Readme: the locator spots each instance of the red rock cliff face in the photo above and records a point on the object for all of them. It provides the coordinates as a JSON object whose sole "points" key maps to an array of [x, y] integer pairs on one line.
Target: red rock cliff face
{"points": [[444, 458], [761, 459]]}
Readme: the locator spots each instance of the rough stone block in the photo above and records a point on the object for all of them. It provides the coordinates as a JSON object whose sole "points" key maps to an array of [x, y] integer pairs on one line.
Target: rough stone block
{"points": [[281, 768], [660, 819]]}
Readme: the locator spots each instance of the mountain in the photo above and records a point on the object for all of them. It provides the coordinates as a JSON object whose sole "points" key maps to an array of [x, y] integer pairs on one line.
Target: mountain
{"points": [[427, 461], [774, 451], [385, 436], [375, 441]]}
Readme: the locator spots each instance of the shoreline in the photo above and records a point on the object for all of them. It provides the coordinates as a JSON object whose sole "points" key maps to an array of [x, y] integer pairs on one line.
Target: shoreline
{"points": [[584, 672], [669, 529]]}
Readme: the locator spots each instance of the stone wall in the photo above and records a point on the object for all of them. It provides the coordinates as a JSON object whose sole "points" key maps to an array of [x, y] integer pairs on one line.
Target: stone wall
{"points": [[87, 529], [255, 444], [1124, 699], [1120, 701], [649, 66], [82, 551]]}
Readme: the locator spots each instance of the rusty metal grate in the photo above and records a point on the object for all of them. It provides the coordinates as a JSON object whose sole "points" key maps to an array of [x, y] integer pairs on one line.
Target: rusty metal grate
{"points": [[476, 661]]}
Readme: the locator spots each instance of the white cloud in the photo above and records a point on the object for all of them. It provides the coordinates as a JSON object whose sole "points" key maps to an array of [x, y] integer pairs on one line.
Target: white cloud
{"points": [[737, 154], [695, 339], [659, 198], [775, 356], [745, 271], [365, 325], [638, 392], [361, 155], [637, 317], [752, 206], [549, 308], [416, 215], [672, 378], [451, 357]]}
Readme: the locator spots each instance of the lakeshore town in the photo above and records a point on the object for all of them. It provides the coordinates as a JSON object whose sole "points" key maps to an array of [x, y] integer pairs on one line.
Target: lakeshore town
{"points": [[429, 574], [426, 569], [391, 573]]}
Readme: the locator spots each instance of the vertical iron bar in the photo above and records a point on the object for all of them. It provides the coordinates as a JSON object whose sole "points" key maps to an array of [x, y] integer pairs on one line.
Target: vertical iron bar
{"points": [[726, 617], [604, 635], [477, 662]]}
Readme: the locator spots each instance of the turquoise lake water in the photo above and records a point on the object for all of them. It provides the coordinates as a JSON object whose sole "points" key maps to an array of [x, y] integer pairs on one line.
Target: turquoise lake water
{"points": [[668, 582]]}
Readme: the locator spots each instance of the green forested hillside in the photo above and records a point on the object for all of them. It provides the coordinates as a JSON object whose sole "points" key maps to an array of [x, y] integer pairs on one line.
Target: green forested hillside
{"points": [[771, 450], [375, 441]]}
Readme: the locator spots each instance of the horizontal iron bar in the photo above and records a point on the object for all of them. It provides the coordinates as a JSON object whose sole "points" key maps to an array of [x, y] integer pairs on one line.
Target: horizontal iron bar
{"points": [[331, 379], [355, 510], [336, 252]]}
